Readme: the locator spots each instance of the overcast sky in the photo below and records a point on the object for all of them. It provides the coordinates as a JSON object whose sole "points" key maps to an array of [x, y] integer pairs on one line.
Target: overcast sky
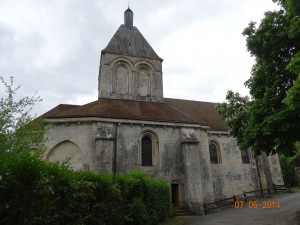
{"points": [[53, 46]]}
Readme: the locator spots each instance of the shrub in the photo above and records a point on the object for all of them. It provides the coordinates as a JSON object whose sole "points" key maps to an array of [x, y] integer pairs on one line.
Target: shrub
{"points": [[36, 192], [288, 170], [99, 199], [139, 188], [19, 188]]}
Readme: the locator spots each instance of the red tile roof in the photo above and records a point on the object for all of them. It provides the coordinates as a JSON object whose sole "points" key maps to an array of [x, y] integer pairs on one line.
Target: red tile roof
{"points": [[172, 110], [59, 109], [122, 109], [202, 112]]}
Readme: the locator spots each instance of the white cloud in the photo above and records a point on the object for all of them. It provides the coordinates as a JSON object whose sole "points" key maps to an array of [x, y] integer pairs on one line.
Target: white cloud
{"points": [[53, 47]]}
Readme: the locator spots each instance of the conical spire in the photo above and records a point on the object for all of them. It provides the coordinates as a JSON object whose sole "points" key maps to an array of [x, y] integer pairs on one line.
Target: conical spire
{"points": [[128, 18], [128, 40]]}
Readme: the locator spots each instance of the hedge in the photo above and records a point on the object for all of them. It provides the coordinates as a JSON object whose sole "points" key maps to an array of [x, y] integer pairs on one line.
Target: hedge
{"points": [[36, 192], [288, 171]]}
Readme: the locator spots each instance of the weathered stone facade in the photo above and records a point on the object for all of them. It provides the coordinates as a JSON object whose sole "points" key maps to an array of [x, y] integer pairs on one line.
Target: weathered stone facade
{"points": [[131, 126], [130, 78]]}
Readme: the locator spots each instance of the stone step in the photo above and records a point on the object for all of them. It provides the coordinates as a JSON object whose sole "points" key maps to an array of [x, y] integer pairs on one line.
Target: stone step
{"points": [[180, 211]]}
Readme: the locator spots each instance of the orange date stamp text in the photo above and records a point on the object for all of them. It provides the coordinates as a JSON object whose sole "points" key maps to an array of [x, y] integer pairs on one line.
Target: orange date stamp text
{"points": [[254, 204]]}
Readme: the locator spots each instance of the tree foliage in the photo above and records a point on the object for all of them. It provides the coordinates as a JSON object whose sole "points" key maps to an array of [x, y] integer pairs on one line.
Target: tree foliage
{"points": [[293, 95], [265, 123], [19, 130], [288, 171], [236, 115], [33, 191]]}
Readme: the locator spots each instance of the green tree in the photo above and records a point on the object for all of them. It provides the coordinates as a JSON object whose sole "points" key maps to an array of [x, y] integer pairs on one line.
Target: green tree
{"points": [[265, 123], [19, 130], [293, 95], [236, 115]]}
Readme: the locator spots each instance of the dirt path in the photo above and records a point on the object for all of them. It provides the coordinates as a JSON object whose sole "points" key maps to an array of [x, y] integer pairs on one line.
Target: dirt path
{"points": [[289, 206]]}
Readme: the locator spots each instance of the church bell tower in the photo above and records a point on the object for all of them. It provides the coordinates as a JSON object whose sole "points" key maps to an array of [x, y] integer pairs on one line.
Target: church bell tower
{"points": [[129, 67]]}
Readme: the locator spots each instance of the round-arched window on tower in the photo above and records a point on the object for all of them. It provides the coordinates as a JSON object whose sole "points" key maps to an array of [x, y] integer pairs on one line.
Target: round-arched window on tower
{"points": [[121, 79], [143, 82]]}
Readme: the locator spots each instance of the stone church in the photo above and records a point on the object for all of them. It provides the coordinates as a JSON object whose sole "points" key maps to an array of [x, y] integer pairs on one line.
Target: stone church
{"points": [[132, 126]]}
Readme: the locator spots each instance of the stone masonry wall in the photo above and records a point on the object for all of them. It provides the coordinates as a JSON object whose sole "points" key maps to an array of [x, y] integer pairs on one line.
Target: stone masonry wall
{"points": [[81, 135], [206, 169], [275, 169], [231, 176], [107, 78], [179, 158], [96, 142]]}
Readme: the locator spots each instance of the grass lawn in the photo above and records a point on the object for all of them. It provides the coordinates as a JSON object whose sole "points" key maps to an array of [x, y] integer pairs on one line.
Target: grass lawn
{"points": [[173, 221], [295, 189]]}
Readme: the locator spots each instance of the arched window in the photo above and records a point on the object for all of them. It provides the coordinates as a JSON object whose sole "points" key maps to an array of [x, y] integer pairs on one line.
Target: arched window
{"points": [[121, 78], [146, 151], [245, 156], [148, 148], [214, 152], [144, 81]]}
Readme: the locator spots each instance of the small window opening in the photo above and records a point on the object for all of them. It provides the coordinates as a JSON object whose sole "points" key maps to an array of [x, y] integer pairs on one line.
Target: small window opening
{"points": [[214, 153], [146, 151], [245, 156]]}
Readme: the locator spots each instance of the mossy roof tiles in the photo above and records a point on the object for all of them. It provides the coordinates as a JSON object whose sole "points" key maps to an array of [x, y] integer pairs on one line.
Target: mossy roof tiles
{"points": [[172, 110]]}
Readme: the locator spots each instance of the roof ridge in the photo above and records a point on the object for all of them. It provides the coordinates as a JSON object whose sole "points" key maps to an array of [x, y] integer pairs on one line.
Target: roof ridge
{"points": [[67, 105], [134, 100], [190, 100]]}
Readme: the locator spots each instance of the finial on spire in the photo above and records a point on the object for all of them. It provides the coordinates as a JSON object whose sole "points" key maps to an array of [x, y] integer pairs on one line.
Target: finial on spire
{"points": [[128, 4], [128, 18]]}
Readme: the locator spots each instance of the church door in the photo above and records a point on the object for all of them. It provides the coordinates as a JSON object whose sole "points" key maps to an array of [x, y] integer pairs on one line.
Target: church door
{"points": [[175, 195]]}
